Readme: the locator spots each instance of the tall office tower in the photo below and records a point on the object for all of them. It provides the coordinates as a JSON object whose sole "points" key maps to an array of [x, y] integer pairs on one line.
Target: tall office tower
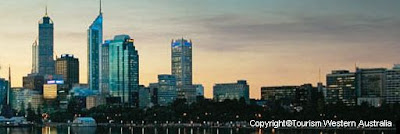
{"points": [[104, 68], [123, 69], [68, 67], [95, 40], [46, 46], [181, 64], [223, 91], [166, 91], [371, 84], [35, 58], [392, 92], [341, 86], [3, 90]]}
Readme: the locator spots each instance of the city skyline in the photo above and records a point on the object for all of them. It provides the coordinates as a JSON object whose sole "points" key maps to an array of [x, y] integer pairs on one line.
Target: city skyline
{"points": [[284, 46]]}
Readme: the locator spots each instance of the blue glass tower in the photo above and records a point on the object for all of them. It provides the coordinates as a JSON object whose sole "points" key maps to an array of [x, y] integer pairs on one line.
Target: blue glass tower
{"points": [[46, 46], [123, 69], [95, 39]]}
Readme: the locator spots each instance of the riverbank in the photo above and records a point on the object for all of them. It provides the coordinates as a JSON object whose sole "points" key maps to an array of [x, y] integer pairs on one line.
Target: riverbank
{"points": [[199, 125]]}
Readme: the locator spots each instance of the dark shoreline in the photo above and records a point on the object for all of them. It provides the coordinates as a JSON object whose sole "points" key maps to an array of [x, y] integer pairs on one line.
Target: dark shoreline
{"points": [[184, 125]]}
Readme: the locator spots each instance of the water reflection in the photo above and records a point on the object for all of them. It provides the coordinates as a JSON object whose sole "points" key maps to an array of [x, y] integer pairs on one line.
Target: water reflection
{"points": [[172, 130]]}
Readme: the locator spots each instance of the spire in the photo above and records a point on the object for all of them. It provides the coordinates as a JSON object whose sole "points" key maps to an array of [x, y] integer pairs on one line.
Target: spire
{"points": [[100, 7], [46, 11], [9, 85]]}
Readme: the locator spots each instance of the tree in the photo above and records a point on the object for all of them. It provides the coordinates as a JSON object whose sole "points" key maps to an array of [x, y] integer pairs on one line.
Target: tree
{"points": [[30, 113]]}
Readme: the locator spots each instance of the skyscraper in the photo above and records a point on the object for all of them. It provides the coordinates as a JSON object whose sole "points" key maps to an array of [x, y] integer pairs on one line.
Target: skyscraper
{"points": [[95, 40], [123, 68], [181, 64], [35, 59], [68, 67], [104, 68], [46, 46]]}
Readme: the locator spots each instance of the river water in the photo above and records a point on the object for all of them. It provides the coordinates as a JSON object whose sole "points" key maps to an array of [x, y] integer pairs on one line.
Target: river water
{"points": [[127, 130]]}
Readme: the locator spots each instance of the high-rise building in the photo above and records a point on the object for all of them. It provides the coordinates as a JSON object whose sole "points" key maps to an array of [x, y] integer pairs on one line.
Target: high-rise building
{"points": [[68, 67], [3, 90], [181, 64], [166, 91], [370, 85], [95, 40], [223, 91], [105, 68], [123, 69], [392, 92], [46, 46], [35, 58], [33, 82], [341, 86]]}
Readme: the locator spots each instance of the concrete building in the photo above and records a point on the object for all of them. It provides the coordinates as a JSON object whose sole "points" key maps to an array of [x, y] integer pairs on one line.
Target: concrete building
{"points": [[392, 92], [341, 86], [371, 84], [236, 91]]}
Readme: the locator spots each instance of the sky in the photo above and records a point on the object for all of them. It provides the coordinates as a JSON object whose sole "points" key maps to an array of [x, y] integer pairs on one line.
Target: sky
{"points": [[266, 42]]}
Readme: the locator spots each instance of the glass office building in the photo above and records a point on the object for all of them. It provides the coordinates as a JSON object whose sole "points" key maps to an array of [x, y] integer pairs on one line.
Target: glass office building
{"points": [[46, 46], [95, 40], [181, 64], [123, 69]]}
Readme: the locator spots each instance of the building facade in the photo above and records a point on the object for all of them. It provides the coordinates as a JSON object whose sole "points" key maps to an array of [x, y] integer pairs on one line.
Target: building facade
{"points": [[145, 96], [392, 92], [167, 89], [3, 90], [21, 98], [231, 91], [341, 86], [95, 40], [46, 46], [123, 70], [34, 82], [370, 85], [181, 64], [35, 58], [105, 68], [68, 67]]}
